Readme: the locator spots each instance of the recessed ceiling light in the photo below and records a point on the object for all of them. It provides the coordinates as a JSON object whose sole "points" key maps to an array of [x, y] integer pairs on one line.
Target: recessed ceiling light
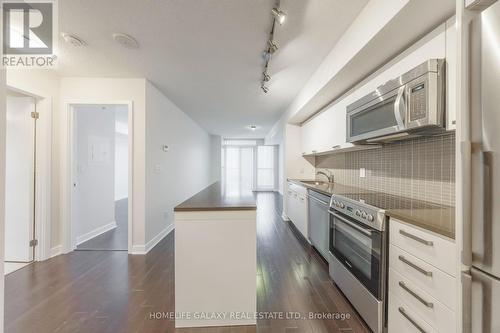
{"points": [[126, 40], [73, 40], [279, 15], [252, 127]]}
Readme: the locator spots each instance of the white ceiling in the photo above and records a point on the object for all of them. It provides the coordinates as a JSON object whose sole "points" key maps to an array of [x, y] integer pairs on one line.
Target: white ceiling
{"points": [[205, 55]]}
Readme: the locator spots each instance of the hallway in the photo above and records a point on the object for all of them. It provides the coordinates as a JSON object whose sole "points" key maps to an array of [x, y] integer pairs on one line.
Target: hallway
{"points": [[106, 291], [112, 240]]}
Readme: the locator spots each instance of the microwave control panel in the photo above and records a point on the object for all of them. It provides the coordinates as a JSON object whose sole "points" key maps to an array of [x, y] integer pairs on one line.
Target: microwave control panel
{"points": [[418, 102]]}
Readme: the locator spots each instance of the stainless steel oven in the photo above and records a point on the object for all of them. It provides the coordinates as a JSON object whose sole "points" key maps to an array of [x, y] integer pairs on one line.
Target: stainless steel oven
{"points": [[359, 249], [358, 257], [407, 106]]}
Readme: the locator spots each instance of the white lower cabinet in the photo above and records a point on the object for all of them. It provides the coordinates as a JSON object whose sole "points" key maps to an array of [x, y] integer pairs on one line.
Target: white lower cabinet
{"points": [[422, 292], [297, 208]]}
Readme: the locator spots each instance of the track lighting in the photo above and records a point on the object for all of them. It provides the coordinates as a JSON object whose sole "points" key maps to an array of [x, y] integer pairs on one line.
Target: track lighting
{"points": [[266, 77], [273, 47], [264, 89], [279, 15], [266, 55]]}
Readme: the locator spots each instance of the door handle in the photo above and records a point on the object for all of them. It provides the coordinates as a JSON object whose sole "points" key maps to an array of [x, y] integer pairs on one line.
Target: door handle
{"points": [[411, 320], [414, 294], [416, 238], [415, 266], [400, 108]]}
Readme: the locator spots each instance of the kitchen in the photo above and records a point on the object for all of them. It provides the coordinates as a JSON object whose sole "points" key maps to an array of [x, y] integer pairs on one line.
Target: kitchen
{"points": [[303, 166]]}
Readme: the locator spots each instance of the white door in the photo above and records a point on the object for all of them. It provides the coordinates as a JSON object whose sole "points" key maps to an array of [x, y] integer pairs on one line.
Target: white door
{"points": [[19, 180]]}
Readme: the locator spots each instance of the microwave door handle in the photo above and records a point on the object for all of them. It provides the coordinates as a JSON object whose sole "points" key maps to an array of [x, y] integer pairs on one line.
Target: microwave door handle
{"points": [[400, 108]]}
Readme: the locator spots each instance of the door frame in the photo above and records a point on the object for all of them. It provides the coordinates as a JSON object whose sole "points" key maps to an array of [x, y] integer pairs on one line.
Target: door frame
{"points": [[43, 183], [69, 171]]}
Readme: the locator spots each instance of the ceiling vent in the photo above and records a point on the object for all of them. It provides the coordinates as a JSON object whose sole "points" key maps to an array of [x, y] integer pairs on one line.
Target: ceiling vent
{"points": [[73, 40], [126, 41]]}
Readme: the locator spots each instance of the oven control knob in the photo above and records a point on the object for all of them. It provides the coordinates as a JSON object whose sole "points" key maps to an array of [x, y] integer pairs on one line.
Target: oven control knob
{"points": [[342, 205], [358, 212], [363, 215], [335, 203], [370, 217]]}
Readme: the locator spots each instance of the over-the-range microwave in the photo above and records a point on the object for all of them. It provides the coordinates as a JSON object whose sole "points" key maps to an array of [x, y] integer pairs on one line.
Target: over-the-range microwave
{"points": [[408, 106]]}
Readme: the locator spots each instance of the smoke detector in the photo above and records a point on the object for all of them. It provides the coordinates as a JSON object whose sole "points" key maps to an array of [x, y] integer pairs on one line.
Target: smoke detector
{"points": [[126, 41], [73, 40]]}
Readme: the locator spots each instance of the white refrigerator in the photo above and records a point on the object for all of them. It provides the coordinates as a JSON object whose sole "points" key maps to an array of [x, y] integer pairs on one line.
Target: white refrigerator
{"points": [[481, 282]]}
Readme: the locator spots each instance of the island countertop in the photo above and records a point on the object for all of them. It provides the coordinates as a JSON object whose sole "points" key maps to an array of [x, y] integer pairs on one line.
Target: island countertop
{"points": [[216, 198]]}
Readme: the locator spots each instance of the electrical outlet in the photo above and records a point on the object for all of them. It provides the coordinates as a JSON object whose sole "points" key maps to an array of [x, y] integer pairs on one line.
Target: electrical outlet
{"points": [[362, 172]]}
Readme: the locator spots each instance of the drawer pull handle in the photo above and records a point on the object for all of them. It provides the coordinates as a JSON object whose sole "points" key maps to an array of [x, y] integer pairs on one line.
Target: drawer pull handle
{"points": [[416, 238], [412, 265], [411, 320], [414, 294]]}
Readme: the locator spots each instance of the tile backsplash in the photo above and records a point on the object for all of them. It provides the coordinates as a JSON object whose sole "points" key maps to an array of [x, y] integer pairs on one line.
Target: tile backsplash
{"points": [[422, 168]]}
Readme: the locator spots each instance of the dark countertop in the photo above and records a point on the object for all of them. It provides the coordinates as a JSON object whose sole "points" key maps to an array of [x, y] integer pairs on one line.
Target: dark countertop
{"points": [[427, 215], [215, 198]]}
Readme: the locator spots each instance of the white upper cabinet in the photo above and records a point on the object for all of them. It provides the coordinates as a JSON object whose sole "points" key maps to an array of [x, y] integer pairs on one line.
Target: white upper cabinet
{"points": [[326, 131]]}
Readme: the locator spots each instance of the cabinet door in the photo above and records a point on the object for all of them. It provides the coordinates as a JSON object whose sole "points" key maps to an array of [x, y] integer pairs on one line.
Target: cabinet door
{"points": [[302, 215]]}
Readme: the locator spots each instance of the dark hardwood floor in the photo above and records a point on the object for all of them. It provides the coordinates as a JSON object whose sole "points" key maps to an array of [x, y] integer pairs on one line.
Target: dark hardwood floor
{"points": [[106, 291], [113, 240]]}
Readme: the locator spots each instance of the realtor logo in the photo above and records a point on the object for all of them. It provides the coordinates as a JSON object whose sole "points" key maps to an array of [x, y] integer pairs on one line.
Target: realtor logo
{"points": [[28, 33]]}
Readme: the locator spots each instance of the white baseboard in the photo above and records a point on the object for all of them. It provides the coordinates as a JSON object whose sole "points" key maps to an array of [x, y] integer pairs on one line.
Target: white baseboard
{"points": [[284, 217], [55, 251], [143, 249], [96, 232]]}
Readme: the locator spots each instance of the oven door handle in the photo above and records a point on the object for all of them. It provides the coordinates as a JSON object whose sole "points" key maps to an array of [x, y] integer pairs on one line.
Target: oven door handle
{"points": [[365, 231]]}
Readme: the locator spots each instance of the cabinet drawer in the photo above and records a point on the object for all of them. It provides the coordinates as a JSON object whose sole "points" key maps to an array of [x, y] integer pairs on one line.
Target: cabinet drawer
{"points": [[425, 276], [427, 246], [402, 318], [422, 303]]}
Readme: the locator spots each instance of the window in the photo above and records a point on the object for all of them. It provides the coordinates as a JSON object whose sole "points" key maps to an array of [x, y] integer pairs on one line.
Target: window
{"points": [[266, 168], [247, 168]]}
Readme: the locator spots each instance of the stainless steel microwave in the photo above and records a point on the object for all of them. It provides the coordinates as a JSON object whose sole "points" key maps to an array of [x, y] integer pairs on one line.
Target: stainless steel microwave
{"points": [[408, 106]]}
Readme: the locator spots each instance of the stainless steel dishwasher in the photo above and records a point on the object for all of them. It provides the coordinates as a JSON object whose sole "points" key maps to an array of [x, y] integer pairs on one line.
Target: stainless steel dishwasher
{"points": [[319, 221]]}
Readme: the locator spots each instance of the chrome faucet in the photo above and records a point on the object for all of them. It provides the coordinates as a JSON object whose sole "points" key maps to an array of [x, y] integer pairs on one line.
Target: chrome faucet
{"points": [[328, 176]]}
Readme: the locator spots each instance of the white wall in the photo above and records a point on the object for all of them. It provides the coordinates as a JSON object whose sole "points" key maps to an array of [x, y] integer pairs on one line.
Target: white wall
{"points": [[175, 175], [215, 157], [121, 152], [102, 90], [94, 196]]}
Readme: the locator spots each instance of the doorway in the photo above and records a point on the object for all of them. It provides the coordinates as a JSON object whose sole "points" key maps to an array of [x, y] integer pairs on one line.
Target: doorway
{"points": [[100, 159], [20, 181]]}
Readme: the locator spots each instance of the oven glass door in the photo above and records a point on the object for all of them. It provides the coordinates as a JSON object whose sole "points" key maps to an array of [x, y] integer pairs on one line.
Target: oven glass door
{"points": [[358, 248]]}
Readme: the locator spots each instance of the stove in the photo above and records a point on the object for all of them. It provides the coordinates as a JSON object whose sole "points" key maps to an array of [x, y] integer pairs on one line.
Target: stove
{"points": [[362, 208], [358, 253]]}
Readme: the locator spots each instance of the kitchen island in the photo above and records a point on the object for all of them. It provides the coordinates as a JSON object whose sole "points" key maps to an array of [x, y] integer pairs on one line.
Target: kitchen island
{"points": [[216, 259]]}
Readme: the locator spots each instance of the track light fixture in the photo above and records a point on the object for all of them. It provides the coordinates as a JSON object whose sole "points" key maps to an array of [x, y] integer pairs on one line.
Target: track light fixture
{"points": [[273, 47], [279, 15], [266, 77]]}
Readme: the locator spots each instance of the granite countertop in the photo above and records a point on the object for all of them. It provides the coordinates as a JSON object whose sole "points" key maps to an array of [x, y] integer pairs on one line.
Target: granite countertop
{"points": [[433, 217], [215, 198]]}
